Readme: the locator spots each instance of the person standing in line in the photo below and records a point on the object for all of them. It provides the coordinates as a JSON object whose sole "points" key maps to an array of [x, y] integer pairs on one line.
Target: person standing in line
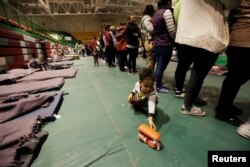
{"points": [[182, 68], [121, 46], [102, 43], [202, 34], [109, 46], [94, 51], [238, 67], [113, 33], [133, 35], [147, 29], [163, 40]]}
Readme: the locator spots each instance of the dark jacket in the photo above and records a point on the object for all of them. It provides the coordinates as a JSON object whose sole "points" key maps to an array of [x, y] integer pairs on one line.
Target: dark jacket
{"points": [[133, 33]]}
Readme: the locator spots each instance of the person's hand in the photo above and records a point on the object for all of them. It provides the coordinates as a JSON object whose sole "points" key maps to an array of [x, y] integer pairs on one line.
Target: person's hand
{"points": [[130, 97], [151, 123]]}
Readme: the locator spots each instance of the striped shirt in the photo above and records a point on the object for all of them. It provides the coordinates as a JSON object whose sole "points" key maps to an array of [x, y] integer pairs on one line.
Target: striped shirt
{"points": [[168, 17]]}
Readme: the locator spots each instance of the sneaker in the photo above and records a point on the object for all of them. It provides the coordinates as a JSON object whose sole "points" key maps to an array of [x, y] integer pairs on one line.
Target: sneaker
{"points": [[244, 130], [194, 111], [162, 90], [227, 116], [179, 94], [236, 110]]}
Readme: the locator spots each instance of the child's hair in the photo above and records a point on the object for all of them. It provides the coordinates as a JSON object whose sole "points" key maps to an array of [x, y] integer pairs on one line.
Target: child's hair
{"points": [[146, 73]]}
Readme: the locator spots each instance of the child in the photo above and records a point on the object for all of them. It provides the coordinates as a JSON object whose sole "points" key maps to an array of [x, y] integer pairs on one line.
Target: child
{"points": [[94, 51], [144, 94]]}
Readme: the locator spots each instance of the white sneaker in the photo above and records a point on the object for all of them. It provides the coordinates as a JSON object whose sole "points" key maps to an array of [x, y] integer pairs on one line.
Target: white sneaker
{"points": [[193, 111], [244, 130]]}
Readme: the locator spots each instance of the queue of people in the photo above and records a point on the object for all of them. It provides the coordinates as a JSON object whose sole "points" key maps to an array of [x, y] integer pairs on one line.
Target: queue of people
{"points": [[198, 30]]}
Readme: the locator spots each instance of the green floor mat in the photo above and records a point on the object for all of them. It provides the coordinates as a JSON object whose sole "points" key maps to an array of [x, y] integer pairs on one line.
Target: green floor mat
{"points": [[221, 60], [98, 128]]}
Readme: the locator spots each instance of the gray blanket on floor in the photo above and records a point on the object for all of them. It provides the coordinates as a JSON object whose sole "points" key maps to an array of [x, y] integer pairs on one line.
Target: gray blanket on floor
{"points": [[43, 75], [31, 87], [16, 106]]}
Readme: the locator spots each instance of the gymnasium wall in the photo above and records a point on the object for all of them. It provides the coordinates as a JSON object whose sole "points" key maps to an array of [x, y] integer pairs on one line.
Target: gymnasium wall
{"points": [[82, 27], [79, 23]]}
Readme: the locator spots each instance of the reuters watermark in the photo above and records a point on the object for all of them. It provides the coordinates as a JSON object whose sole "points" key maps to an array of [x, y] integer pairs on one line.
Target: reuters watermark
{"points": [[228, 158]]}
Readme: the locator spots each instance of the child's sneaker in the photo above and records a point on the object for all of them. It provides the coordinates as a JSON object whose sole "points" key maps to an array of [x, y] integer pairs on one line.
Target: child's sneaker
{"points": [[244, 130], [162, 90], [193, 111]]}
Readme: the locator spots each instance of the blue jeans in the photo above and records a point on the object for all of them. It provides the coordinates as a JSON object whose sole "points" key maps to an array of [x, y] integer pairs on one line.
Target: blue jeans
{"points": [[163, 55]]}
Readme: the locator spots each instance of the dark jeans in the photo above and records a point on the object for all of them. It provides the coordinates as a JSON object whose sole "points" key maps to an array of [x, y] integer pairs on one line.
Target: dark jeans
{"points": [[203, 61], [132, 54], [122, 59], [163, 55], [110, 53], [238, 74]]}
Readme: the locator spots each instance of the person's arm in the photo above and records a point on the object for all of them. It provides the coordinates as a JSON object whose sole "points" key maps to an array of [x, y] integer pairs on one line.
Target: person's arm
{"points": [[169, 20], [117, 35], [137, 31], [148, 25], [134, 91], [151, 122], [151, 109], [113, 38]]}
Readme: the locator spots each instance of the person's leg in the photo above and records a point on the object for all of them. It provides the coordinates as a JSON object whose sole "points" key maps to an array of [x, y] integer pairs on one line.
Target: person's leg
{"points": [[134, 56], [203, 62], [119, 59], [109, 55], [97, 61], [114, 56], [185, 59], [104, 54], [120, 55], [130, 54], [163, 55], [124, 54], [238, 74], [126, 59]]}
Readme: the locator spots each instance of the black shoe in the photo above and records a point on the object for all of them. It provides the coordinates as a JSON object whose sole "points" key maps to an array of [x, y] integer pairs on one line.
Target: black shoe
{"points": [[235, 110], [233, 120], [200, 102]]}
